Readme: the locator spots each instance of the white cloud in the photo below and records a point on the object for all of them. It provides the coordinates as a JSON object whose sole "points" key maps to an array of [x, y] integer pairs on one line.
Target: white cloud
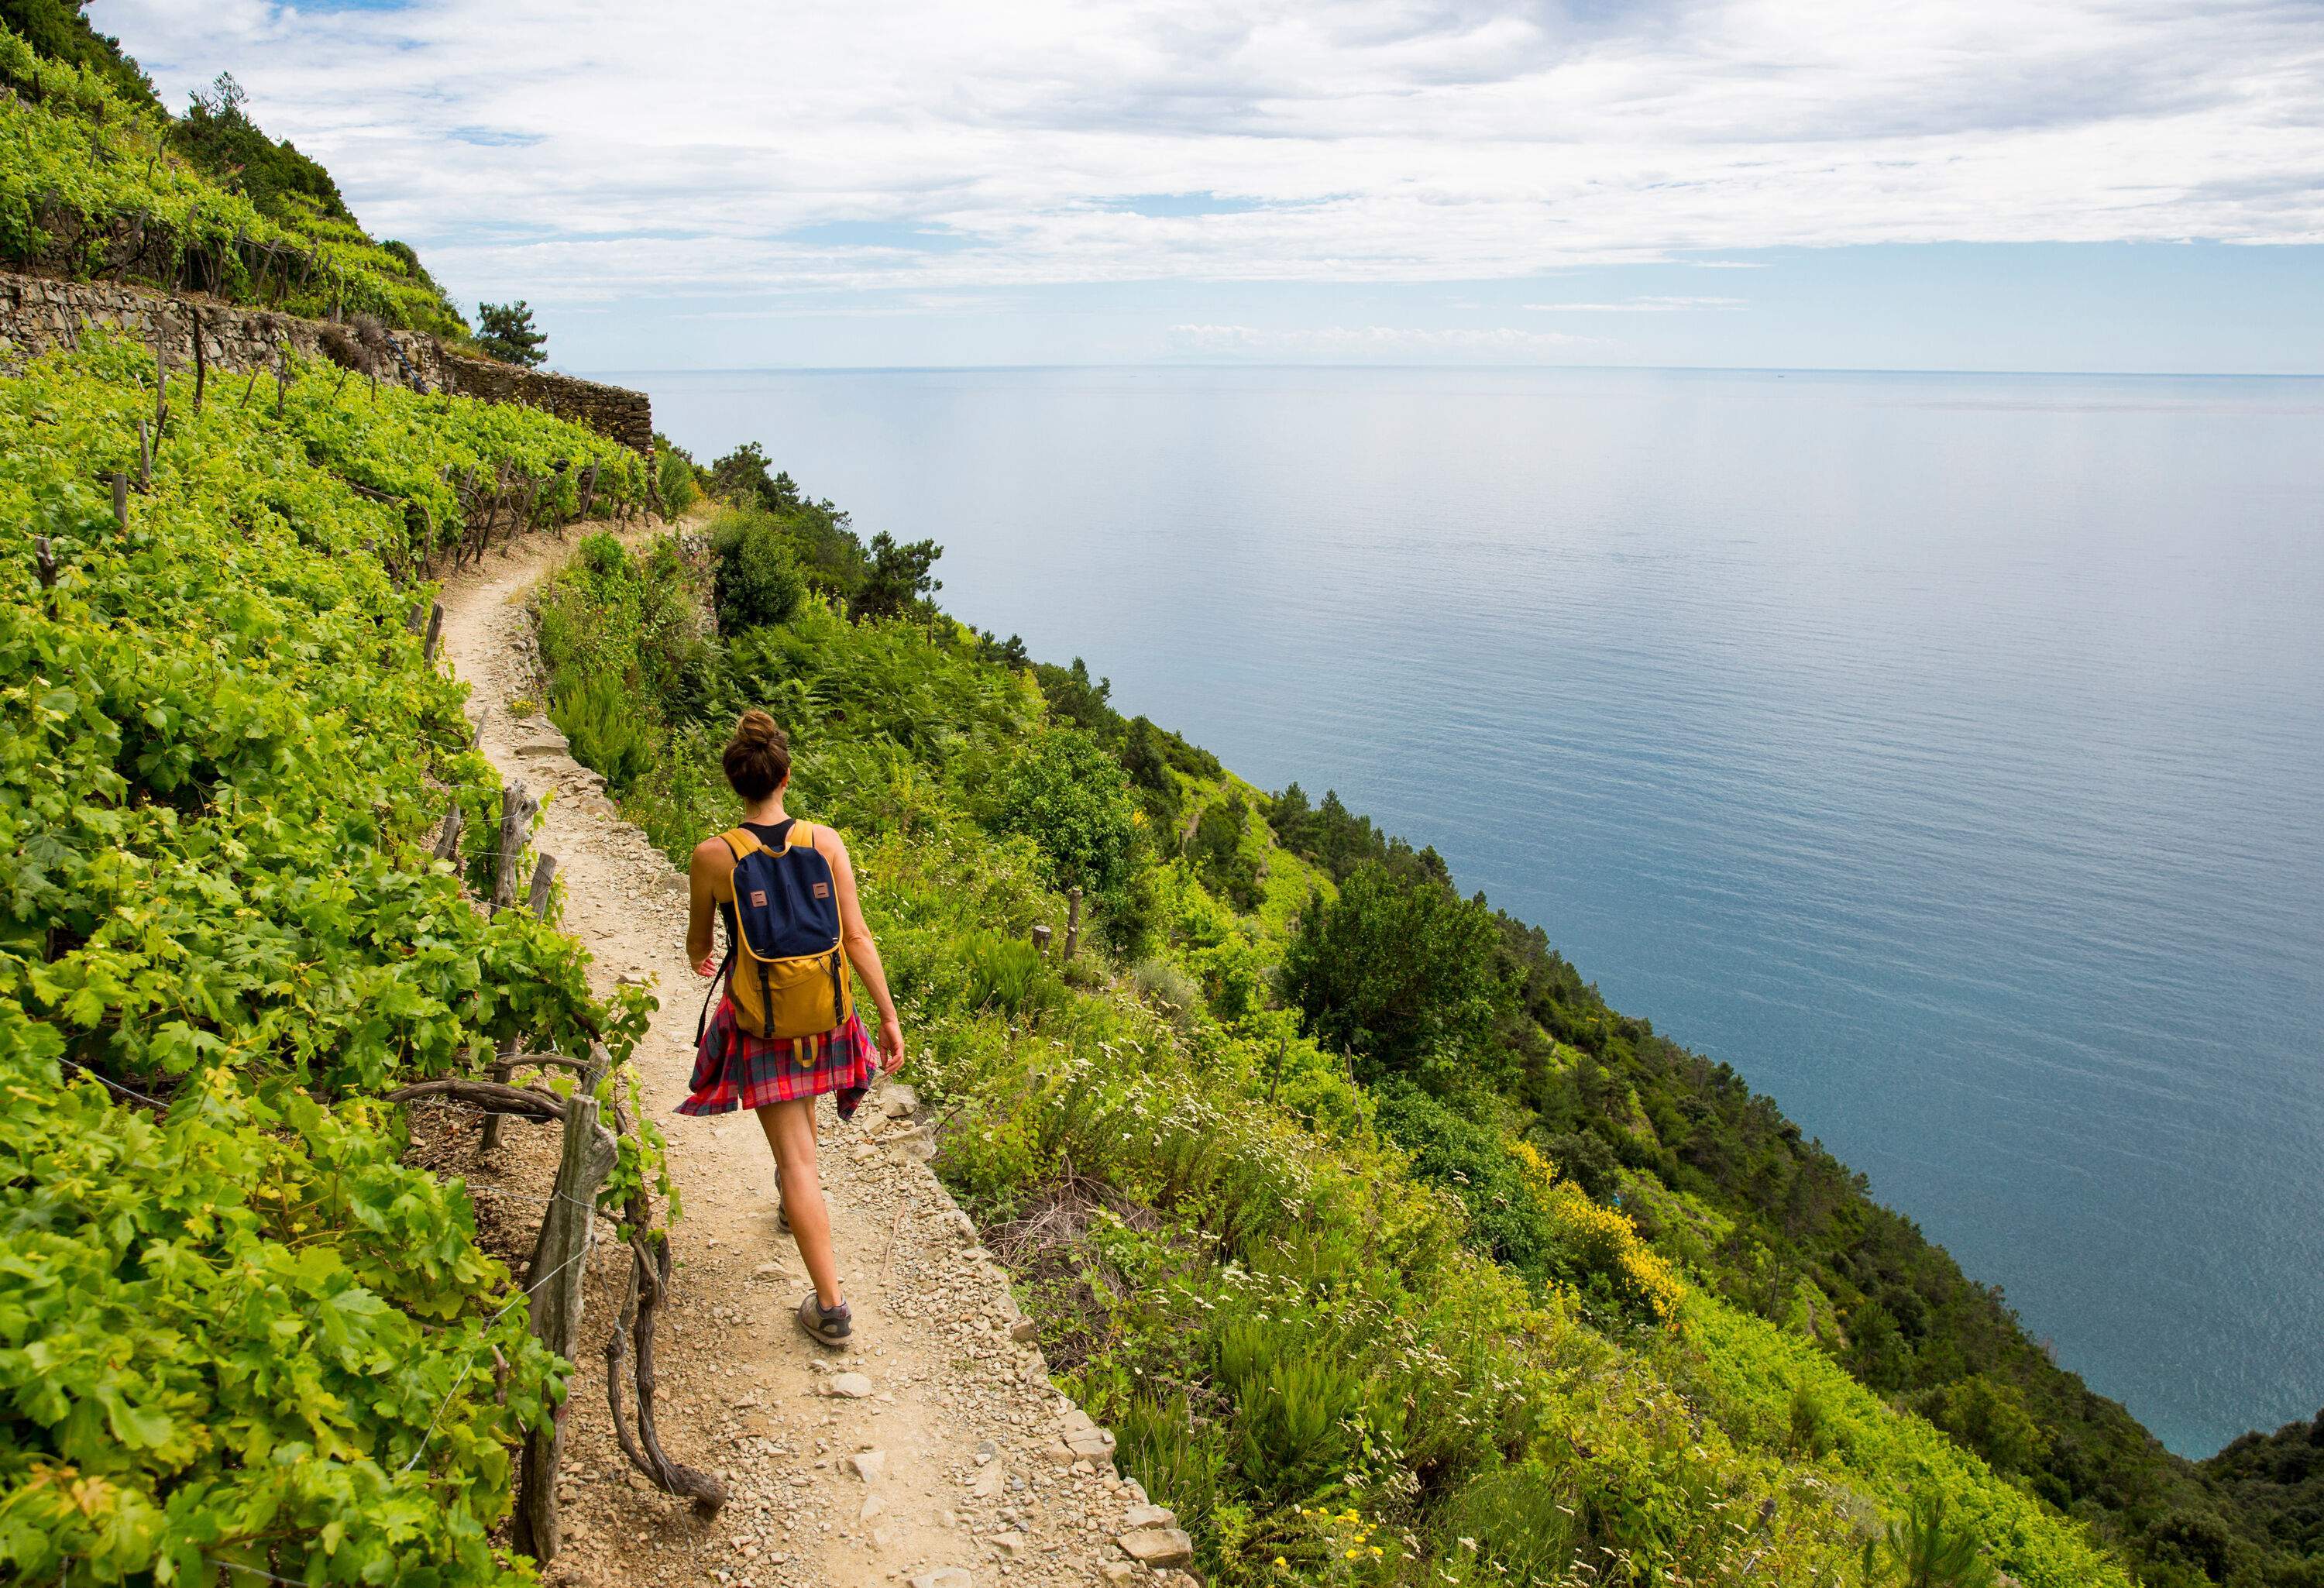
{"points": [[594, 148], [1640, 306]]}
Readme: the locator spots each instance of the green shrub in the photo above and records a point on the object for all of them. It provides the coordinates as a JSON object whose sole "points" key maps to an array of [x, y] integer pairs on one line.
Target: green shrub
{"points": [[243, 1333], [600, 720], [1473, 1162], [1221, 857], [1067, 795], [898, 579], [758, 583], [1164, 986], [1990, 1418], [1810, 1426], [1401, 972], [675, 478], [1008, 975]]}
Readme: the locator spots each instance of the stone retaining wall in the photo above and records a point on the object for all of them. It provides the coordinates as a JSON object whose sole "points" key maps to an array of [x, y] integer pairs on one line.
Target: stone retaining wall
{"points": [[38, 313]]}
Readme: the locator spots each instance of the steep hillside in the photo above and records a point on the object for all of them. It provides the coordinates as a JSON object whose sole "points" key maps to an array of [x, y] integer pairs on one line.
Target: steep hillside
{"points": [[1356, 1317], [99, 180], [235, 1330]]}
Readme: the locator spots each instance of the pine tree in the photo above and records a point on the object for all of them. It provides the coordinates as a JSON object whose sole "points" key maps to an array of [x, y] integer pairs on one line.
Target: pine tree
{"points": [[504, 331]]}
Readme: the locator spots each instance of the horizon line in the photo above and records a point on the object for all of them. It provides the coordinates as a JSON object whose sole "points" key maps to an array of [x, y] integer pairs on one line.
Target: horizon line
{"points": [[1773, 369]]}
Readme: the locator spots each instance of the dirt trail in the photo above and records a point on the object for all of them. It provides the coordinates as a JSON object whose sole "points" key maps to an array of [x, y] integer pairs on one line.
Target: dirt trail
{"points": [[941, 1458]]}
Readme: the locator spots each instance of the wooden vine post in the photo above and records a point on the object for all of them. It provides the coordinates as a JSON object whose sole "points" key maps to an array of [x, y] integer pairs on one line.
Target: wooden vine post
{"points": [[1072, 922], [517, 808], [435, 631], [553, 1283], [161, 392], [448, 841]]}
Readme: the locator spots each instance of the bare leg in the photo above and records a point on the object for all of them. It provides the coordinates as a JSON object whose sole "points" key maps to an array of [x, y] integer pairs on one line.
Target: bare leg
{"points": [[790, 1134]]}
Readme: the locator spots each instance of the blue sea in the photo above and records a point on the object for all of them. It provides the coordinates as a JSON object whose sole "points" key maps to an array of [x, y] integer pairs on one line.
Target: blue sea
{"points": [[1944, 752]]}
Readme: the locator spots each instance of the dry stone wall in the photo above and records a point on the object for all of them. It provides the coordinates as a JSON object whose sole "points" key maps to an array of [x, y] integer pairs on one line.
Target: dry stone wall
{"points": [[38, 313]]}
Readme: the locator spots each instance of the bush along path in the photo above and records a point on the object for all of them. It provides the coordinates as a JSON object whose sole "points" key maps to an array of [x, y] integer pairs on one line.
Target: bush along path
{"points": [[935, 1451]]}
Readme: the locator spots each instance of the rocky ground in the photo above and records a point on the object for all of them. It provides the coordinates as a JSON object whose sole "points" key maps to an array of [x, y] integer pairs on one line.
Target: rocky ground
{"points": [[936, 1452]]}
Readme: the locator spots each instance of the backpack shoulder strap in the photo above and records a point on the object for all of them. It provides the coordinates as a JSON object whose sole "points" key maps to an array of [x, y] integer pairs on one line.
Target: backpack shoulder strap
{"points": [[800, 836], [742, 841]]}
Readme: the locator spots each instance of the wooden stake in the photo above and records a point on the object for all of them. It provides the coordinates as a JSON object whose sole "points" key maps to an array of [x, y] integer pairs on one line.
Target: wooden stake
{"points": [[516, 816], [435, 631], [553, 1282], [536, 899], [160, 386], [517, 809], [121, 498], [201, 363], [448, 841], [44, 561], [1073, 921]]}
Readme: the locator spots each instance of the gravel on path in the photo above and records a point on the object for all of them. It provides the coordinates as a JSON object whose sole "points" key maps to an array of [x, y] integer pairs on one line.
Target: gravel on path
{"points": [[936, 1452]]}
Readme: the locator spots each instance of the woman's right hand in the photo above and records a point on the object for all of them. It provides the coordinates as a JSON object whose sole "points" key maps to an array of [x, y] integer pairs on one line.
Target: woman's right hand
{"points": [[709, 966]]}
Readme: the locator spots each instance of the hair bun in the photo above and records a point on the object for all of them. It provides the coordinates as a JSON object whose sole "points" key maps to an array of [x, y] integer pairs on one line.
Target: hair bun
{"points": [[758, 758]]}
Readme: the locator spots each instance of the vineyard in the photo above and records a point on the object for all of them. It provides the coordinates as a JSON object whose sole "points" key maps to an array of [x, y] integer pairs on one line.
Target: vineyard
{"points": [[237, 1332], [92, 186]]}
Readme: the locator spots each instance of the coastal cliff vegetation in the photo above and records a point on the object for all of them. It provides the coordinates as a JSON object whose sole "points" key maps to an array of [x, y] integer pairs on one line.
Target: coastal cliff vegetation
{"points": [[1340, 1193]]}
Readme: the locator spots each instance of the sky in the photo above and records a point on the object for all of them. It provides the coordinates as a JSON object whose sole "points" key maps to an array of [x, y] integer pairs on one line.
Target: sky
{"points": [[2111, 185]]}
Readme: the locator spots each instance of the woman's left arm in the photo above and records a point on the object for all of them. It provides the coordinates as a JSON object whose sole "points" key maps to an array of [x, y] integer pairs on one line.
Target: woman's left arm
{"points": [[862, 952]]}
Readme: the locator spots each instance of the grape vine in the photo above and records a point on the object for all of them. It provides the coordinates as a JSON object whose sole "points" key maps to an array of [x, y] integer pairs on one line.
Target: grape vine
{"points": [[234, 1327]]}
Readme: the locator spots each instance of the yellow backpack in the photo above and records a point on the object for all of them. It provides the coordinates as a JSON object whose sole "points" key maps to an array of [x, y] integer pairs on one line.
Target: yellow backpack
{"points": [[785, 969]]}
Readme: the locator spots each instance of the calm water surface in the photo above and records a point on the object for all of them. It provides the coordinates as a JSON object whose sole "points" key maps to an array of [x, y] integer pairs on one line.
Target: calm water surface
{"points": [[1944, 752]]}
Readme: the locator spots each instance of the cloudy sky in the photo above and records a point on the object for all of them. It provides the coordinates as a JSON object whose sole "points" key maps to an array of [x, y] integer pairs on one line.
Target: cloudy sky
{"points": [[2081, 184]]}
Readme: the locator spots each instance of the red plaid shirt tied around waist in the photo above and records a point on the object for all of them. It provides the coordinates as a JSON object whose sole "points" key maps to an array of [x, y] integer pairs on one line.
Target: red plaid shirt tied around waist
{"points": [[734, 1069]]}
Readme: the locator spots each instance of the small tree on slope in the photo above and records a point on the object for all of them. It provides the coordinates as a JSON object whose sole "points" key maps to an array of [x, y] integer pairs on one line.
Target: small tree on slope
{"points": [[504, 330]]}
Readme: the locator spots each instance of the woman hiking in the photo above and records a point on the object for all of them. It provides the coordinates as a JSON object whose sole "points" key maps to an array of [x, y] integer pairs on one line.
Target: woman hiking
{"points": [[785, 1031]]}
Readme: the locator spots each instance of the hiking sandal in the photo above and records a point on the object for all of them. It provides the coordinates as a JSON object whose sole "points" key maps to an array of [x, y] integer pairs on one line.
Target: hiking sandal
{"points": [[829, 1329]]}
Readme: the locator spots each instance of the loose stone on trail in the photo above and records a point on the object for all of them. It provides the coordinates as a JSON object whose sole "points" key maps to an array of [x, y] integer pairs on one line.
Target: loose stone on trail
{"points": [[1157, 1547]]}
